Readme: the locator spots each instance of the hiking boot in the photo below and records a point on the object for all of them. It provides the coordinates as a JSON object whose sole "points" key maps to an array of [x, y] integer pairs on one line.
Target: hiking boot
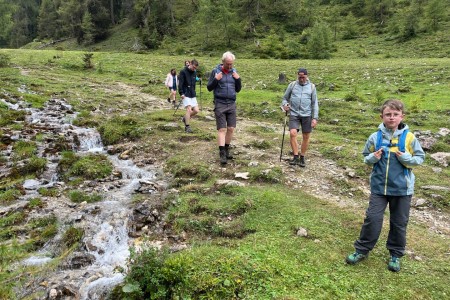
{"points": [[302, 162], [355, 258], [188, 129], [228, 154], [223, 157], [394, 264], [295, 161]]}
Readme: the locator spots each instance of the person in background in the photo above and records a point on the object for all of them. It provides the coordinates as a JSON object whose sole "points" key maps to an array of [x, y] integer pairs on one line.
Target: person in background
{"points": [[300, 100], [187, 80], [392, 151], [172, 83], [226, 83]]}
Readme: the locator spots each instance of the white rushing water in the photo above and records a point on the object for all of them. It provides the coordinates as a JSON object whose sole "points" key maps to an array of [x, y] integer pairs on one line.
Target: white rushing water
{"points": [[106, 232]]}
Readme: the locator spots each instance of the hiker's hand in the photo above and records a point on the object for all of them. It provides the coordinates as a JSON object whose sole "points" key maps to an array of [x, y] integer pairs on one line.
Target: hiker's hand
{"points": [[235, 75], [286, 107], [313, 123], [398, 153], [219, 76], [183, 96], [378, 153]]}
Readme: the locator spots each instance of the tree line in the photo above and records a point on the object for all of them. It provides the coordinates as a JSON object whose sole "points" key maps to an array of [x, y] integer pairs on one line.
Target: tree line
{"points": [[269, 28]]}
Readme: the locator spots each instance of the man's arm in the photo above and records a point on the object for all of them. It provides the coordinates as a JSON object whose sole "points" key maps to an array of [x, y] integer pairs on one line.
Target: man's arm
{"points": [[181, 80], [212, 81]]}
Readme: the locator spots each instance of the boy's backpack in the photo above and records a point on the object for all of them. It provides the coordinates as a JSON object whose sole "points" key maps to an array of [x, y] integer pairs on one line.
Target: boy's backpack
{"points": [[400, 144]]}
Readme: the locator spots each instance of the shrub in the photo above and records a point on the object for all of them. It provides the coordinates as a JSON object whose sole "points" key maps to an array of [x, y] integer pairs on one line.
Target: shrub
{"points": [[78, 197], [273, 175], [120, 128], [4, 60], [9, 196], [72, 236], [154, 275], [92, 167]]}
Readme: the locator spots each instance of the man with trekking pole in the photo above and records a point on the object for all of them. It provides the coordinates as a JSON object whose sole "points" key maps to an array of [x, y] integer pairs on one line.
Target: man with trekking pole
{"points": [[300, 101]]}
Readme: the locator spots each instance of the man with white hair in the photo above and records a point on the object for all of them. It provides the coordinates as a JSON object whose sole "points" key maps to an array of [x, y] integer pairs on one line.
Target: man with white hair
{"points": [[226, 83]]}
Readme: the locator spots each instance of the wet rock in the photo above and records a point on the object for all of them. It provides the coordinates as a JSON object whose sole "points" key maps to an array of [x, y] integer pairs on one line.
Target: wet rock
{"points": [[62, 292], [31, 184], [79, 260]]}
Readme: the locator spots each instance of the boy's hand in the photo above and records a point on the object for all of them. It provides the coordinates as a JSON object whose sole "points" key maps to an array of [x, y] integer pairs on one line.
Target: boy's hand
{"points": [[378, 153], [398, 153]]}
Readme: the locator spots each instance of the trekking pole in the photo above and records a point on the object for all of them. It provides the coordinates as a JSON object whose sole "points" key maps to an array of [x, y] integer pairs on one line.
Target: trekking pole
{"points": [[200, 100], [284, 131], [178, 106]]}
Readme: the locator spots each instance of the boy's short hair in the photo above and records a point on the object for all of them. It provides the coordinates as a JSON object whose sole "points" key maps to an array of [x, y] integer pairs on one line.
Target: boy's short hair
{"points": [[394, 104], [194, 62]]}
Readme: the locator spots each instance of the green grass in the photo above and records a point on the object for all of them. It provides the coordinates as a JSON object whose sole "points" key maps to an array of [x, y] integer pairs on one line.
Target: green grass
{"points": [[273, 263], [243, 241]]}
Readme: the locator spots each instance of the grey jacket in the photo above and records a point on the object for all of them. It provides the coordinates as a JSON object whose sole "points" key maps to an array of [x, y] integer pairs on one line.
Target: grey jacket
{"points": [[302, 99]]}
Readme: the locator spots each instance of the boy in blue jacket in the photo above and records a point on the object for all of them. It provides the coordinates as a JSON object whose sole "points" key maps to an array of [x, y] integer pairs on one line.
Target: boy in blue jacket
{"points": [[392, 151]]}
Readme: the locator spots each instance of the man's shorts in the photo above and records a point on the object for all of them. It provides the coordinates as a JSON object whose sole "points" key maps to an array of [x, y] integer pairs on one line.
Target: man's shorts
{"points": [[305, 122], [190, 101], [225, 115]]}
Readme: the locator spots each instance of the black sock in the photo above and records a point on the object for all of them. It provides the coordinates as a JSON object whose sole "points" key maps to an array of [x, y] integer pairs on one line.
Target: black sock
{"points": [[296, 156], [227, 146], [221, 148], [302, 156]]}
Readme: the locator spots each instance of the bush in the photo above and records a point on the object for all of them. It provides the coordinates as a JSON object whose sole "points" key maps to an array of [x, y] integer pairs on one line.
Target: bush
{"points": [[72, 236], [92, 166], [153, 275], [4, 60], [120, 128], [9, 196], [78, 197]]}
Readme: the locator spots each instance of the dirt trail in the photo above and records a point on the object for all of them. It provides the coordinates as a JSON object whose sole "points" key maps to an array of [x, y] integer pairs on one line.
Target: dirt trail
{"points": [[320, 178]]}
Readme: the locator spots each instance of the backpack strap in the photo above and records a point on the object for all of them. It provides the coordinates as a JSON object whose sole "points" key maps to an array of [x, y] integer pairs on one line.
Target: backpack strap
{"points": [[402, 141], [290, 88], [401, 144]]}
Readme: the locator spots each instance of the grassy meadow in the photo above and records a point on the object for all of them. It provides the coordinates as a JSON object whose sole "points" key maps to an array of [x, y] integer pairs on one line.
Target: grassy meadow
{"points": [[243, 242]]}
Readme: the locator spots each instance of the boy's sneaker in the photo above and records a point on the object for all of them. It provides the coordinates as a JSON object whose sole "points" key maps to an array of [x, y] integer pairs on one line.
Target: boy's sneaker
{"points": [[355, 258], [394, 264], [295, 161], [302, 162]]}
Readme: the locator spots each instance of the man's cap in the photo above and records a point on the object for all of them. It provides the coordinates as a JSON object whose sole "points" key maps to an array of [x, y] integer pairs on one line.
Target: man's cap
{"points": [[302, 70]]}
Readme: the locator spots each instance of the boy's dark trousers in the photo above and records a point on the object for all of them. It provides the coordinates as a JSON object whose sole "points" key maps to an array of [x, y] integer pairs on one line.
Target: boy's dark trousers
{"points": [[399, 215]]}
